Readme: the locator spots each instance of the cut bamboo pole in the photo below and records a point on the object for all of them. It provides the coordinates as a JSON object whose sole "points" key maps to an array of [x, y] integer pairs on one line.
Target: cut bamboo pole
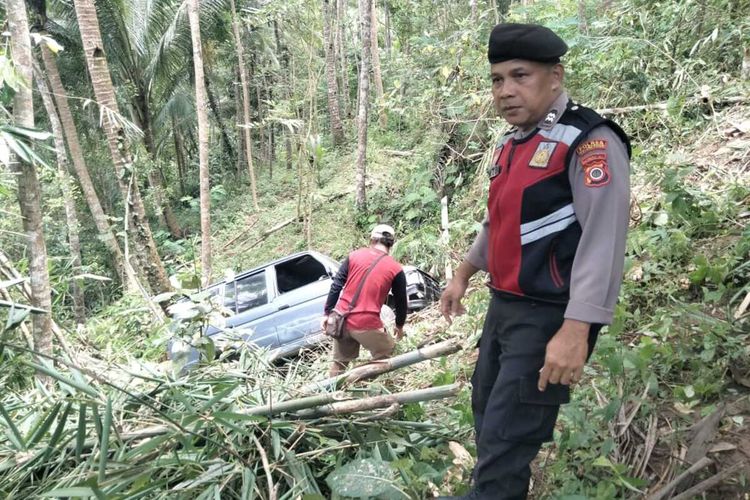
{"points": [[293, 405], [385, 401], [379, 367]]}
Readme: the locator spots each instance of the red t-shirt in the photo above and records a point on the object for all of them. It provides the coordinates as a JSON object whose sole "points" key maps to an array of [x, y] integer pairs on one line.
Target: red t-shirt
{"points": [[366, 313]]}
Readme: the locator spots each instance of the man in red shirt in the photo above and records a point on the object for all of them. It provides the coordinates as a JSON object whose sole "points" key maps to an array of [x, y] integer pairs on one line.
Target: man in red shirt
{"points": [[363, 324]]}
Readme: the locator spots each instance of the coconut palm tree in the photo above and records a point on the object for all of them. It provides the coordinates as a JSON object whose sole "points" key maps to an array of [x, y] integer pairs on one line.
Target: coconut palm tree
{"points": [[29, 192], [201, 106], [115, 130]]}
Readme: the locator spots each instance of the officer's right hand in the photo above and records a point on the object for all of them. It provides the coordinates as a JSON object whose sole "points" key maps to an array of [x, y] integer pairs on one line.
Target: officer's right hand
{"points": [[450, 300]]}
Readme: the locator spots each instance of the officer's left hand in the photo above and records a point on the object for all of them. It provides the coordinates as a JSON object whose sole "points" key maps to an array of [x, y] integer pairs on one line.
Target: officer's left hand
{"points": [[566, 354]]}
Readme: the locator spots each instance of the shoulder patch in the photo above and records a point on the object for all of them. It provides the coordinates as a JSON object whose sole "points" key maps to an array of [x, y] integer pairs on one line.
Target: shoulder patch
{"points": [[595, 170], [588, 146]]}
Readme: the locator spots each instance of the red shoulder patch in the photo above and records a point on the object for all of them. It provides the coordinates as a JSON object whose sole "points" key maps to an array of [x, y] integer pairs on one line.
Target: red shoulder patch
{"points": [[595, 169]]}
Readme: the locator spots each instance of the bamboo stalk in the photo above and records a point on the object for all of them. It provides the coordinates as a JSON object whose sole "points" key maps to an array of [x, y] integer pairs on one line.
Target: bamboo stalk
{"points": [[385, 401], [376, 368], [293, 405]]}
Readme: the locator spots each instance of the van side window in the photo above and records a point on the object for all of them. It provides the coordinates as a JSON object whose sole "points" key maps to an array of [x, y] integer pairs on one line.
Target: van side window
{"points": [[251, 291], [299, 272]]}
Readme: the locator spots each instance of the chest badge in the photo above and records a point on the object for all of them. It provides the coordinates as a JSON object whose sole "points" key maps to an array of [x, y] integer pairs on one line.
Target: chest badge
{"points": [[542, 155]]}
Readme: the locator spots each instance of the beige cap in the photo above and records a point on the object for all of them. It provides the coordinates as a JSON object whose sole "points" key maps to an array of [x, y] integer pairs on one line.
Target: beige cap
{"points": [[382, 230]]}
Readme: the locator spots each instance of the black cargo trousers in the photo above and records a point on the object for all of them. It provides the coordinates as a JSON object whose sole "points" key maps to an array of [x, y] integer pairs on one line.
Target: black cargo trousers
{"points": [[512, 418]]}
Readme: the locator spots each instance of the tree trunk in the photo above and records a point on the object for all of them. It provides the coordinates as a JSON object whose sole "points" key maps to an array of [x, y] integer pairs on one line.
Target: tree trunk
{"points": [[583, 26], [493, 6], [341, 52], [201, 107], [71, 217], [217, 116], [245, 103], [271, 134], [29, 192], [473, 5], [261, 129], [179, 153], [124, 272], [337, 129], [388, 39], [375, 54], [240, 132], [138, 226], [163, 208], [365, 11]]}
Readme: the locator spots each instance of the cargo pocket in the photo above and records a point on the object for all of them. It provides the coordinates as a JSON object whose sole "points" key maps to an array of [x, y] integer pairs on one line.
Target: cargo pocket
{"points": [[533, 418]]}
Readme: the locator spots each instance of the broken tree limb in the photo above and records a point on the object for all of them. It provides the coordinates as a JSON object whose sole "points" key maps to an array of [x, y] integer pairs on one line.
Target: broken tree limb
{"points": [[372, 370], [710, 482], [667, 490], [401, 398], [663, 105], [240, 235]]}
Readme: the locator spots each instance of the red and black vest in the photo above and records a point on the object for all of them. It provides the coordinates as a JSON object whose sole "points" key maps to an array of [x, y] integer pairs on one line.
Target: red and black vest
{"points": [[533, 233]]}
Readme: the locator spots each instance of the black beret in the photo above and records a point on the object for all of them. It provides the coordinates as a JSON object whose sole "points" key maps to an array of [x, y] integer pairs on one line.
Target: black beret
{"points": [[531, 42]]}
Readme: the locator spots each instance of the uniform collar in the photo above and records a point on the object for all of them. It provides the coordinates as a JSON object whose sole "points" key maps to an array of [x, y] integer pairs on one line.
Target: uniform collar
{"points": [[550, 119], [555, 112]]}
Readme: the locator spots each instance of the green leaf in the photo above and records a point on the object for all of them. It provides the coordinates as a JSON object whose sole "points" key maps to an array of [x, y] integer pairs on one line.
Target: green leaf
{"points": [[42, 429], [85, 388], [14, 436], [16, 316], [81, 434], [74, 492], [361, 478], [104, 443], [61, 425]]}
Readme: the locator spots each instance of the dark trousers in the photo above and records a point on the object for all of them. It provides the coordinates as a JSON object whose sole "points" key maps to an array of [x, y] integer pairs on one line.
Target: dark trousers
{"points": [[511, 417]]}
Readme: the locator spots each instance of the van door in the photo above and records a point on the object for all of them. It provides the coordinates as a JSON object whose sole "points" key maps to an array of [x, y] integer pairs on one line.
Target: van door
{"points": [[303, 284], [249, 298]]}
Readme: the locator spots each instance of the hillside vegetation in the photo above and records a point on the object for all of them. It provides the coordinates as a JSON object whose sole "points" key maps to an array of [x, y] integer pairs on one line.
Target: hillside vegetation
{"points": [[105, 415]]}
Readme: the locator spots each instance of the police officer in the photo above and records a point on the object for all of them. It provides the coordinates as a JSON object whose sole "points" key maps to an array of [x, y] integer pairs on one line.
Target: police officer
{"points": [[553, 242]]}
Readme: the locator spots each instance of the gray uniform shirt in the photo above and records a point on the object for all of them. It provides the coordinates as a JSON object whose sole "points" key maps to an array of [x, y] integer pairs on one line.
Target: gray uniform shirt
{"points": [[603, 213]]}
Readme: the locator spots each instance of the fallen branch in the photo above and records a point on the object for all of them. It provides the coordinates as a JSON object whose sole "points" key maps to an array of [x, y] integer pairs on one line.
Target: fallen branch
{"points": [[385, 401], [709, 483], [379, 367], [242, 233], [663, 105], [667, 490]]}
